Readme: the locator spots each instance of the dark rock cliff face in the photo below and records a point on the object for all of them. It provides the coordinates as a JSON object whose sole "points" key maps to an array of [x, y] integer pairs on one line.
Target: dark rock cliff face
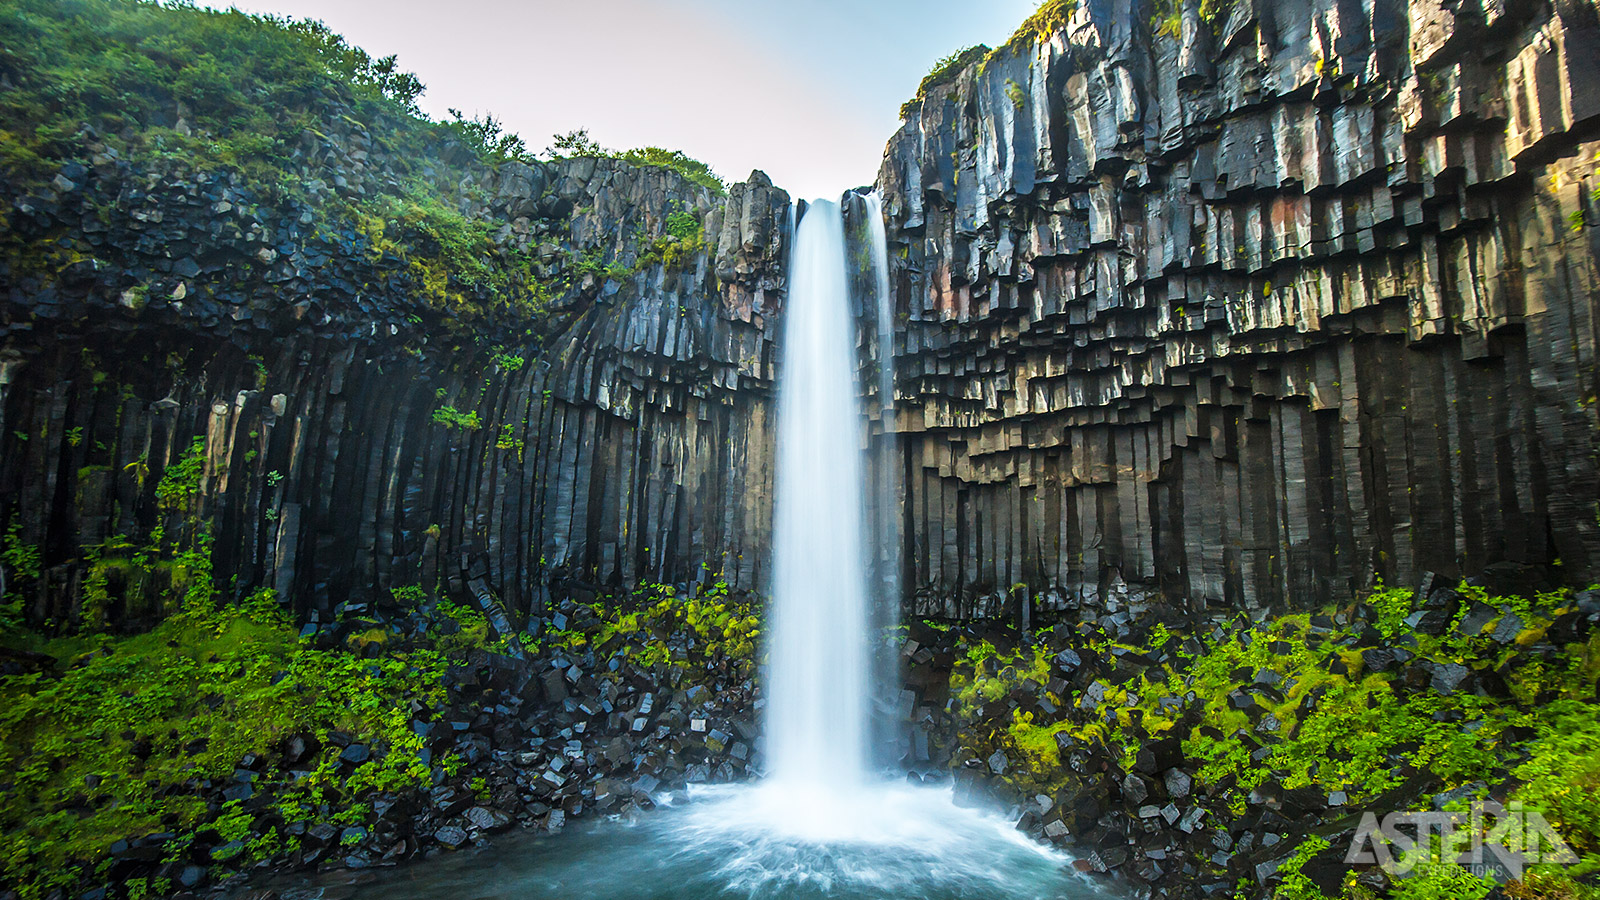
{"points": [[1251, 313], [351, 442]]}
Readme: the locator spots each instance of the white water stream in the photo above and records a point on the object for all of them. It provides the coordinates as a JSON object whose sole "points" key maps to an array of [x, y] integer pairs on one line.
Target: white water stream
{"points": [[817, 677], [824, 824]]}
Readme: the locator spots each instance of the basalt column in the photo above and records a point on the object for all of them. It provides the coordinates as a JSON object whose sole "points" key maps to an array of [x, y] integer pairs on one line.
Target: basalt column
{"points": [[339, 445], [1250, 310]]}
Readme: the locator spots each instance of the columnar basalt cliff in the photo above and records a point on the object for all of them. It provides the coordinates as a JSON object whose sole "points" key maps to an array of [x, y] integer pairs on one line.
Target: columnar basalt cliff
{"points": [[1251, 307], [1248, 305], [342, 438]]}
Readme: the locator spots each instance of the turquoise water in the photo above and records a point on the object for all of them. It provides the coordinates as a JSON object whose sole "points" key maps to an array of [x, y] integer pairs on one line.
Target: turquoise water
{"points": [[882, 842]]}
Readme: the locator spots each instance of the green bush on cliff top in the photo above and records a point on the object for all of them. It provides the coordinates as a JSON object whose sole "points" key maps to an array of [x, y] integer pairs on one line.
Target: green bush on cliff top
{"points": [[180, 91], [221, 87], [579, 145], [943, 72]]}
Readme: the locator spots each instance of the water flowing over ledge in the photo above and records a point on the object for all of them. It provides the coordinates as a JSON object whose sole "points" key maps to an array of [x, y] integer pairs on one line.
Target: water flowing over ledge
{"points": [[823, 824], [817, 681]]}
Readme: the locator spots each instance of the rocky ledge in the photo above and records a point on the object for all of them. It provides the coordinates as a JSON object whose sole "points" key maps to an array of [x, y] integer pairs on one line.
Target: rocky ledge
{"points": [[1230, 756], [473, 727]]}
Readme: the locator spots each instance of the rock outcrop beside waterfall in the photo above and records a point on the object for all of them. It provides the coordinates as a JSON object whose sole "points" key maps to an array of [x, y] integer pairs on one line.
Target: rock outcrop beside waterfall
{"points": [[351, 440], [1251, 310]]}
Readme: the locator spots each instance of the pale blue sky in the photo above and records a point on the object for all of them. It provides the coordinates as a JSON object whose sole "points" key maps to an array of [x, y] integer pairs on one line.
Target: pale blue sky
{"points": [[808, 90]]}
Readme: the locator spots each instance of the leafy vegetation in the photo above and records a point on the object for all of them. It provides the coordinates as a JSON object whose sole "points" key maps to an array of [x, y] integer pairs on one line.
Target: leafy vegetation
{"points": [[578, 144], [23, 563], [450, 417], [188, 94], [301, 128], [123, 738], [1016, 94], [943, 72], [1303, 701], [223, 88], [682, 237], [508, 362], [1050, 19], [181, 481], [1168, 17], [648, 627]]}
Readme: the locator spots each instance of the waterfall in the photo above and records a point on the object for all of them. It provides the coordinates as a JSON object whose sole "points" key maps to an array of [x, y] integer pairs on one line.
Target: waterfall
{"points": [[885, 305], [818, 676], [819, 825], [889, 727]]}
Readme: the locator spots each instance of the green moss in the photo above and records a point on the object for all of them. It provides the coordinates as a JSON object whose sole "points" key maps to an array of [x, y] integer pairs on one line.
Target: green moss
{"points": [[114, 745], [984, 675], [1037, 744], [472, 629], [725, 630], [453, 260], [1050, 19], [1326, 724]]}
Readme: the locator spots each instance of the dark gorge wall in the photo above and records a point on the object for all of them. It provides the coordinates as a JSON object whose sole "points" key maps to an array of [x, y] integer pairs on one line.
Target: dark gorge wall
{"points": [[1250, 310], [343, 438]]}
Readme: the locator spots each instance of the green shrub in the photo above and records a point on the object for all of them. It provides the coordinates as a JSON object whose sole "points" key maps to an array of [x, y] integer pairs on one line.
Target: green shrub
{"points": [[252, 90], [1392, 605], [24, 562], [1327, 724], [578, 144], [1563, 773], [1050, 19], [690, 168], [181, 480], [943, 72], [119, 66], [450, 417], [1441, 881]]}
